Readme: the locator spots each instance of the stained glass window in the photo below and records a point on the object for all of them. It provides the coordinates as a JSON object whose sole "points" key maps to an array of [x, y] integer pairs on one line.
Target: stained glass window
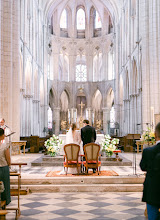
{"points": [[80, 19], [98, 23], [63, 21], [81, 73]]}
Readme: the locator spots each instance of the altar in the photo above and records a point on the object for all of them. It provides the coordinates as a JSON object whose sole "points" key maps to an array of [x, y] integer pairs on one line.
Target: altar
{"points": [[63, 138]]}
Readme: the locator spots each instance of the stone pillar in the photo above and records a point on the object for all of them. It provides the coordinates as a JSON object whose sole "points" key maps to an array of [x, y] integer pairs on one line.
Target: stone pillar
{"points": [[72, 60], [106, 118], [9, 69], [89, 109], [57, 120]]}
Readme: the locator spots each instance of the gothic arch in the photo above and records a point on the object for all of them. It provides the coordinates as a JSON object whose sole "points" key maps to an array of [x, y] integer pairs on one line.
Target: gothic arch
{"points": [[97, 100], [110, 98], [52, 98], [66, 89]]}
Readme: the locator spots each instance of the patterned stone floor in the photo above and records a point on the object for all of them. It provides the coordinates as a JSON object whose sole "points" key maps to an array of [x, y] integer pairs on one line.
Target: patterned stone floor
{"points": [[80, 206]]}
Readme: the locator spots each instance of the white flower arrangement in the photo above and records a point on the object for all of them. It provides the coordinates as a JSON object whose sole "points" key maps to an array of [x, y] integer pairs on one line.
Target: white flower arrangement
{"points": [[109, 144], [52, 145], [148, 136]]}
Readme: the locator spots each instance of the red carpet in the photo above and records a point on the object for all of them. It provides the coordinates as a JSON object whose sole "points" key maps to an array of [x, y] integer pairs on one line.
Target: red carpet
{"points": [[102, 173]]}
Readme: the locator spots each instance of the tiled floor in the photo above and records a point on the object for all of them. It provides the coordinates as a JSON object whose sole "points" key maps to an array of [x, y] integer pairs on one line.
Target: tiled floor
{"points": [[80, 206]]}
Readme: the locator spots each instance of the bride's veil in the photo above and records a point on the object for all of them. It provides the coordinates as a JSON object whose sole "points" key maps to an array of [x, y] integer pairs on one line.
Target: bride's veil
{"points": [[69, 136]]}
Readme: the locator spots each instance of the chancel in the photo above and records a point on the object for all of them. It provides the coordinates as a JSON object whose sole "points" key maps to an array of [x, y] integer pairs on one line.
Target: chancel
{"points": [[63, 62]]}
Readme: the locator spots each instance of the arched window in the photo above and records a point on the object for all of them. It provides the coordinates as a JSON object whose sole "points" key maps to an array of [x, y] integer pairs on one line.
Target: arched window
{"points": [[63, 21], [80, 19], [98, 23], [81, 73]]}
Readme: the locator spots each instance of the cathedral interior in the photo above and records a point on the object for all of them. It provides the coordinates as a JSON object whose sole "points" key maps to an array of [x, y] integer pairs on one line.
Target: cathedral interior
{"points": [[64, 61]]}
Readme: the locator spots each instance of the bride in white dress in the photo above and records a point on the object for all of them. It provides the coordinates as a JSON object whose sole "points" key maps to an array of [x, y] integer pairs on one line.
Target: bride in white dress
{"points": [[73, 136]]}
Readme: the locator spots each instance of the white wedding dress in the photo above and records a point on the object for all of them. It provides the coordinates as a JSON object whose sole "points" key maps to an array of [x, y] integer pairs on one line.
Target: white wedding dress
{"points": [[76, 140]]}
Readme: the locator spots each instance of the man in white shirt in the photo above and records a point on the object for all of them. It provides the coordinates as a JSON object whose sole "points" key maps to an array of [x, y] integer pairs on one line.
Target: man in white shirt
{"points": [[7, 131]]}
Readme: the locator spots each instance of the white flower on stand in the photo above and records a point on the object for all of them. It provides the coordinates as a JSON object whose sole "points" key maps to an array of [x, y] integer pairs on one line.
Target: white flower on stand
{"points": [[52, 145], [109, 144]]}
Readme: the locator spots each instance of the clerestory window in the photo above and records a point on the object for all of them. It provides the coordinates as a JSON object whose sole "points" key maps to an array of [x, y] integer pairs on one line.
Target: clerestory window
{"points": [[81, 73], [80, 19]]}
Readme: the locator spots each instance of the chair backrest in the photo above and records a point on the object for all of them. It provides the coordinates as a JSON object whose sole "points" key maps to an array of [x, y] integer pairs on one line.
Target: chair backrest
{"points": [[91, 151], [71, 151]]}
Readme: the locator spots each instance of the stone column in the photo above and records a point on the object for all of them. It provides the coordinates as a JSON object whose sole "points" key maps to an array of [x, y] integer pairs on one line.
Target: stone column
{"points": [[72, 60], [89, 109], [106, 118], [9, 69], [57, 120]]}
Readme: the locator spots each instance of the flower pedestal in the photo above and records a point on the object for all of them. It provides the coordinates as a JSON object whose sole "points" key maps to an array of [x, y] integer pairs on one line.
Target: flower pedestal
{"points": [[117, 156]]}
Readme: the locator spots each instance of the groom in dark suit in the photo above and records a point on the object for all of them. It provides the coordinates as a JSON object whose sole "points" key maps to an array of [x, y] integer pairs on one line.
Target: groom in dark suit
{"points": [[151, 164], [88, 133]]}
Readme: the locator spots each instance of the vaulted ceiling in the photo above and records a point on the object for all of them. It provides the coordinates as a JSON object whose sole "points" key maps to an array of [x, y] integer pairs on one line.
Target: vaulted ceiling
{"points": [[113, 6]]}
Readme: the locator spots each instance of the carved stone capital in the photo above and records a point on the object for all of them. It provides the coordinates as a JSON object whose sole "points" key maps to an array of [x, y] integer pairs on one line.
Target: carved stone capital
{"points": [[28, 96], [35, 101]]}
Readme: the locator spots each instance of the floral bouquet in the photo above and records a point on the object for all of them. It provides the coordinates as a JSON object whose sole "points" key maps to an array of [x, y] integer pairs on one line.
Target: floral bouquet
{"points": [[52, 145], [109, 145], [148, 136]]}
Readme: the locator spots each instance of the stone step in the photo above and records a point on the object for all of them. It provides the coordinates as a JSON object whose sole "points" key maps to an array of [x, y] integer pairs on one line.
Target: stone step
{"points": [[47, 161], [83, 188], [61, 158], [81, 180], [104, 163]]}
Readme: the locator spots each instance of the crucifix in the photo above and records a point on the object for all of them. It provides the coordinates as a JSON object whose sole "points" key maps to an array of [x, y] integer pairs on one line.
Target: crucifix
{"points": [[81, 105]]}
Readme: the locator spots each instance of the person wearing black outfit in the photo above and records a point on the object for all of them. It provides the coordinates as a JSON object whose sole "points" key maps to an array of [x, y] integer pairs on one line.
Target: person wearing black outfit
{"points": [[150, 163], [88, 134]]}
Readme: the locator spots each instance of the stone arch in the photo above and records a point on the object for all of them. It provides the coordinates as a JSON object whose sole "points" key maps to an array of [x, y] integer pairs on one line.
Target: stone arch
{"points": [[97, 100], [64, 100], [110, 98], [52, 98]]}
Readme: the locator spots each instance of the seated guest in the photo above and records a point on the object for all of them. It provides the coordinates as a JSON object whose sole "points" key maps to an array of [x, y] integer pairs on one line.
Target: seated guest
{"points": [[5, 162], [151, 164]]}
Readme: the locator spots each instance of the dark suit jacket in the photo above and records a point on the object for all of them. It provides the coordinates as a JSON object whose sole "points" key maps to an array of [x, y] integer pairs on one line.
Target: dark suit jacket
{"points": [[88, 134], [150, 162]]}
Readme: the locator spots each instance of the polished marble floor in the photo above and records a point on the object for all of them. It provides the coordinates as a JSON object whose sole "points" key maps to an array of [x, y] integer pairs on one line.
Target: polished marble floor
{"points": [[80, 206]]}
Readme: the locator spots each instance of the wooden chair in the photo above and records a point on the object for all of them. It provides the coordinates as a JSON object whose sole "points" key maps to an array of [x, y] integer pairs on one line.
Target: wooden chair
{"points": [[71, 156], [91, 152], [2, 204]]}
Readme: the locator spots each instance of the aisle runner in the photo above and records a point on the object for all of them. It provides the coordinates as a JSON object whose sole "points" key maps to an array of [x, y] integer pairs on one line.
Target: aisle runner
{"points": [[102, 173]]}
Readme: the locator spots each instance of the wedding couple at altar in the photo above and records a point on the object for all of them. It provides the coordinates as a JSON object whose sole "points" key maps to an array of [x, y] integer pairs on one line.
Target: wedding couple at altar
{"points": [[87, 135]]}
